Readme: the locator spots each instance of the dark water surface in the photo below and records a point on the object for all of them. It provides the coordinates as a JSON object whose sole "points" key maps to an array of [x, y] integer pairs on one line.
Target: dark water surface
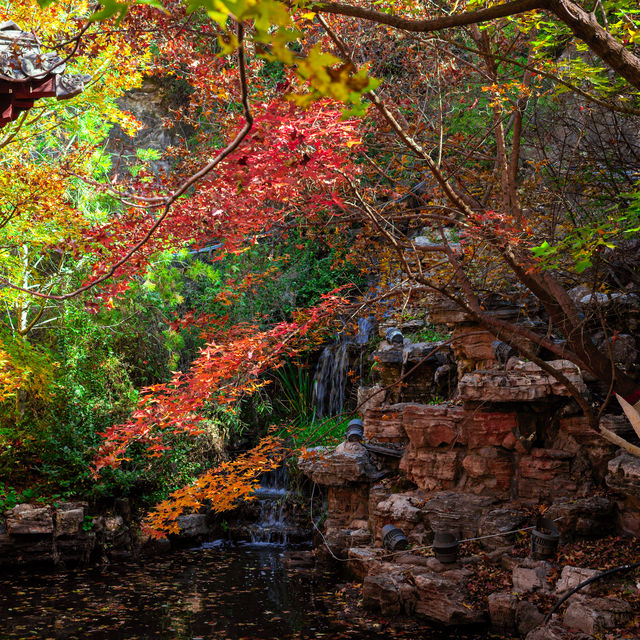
{"points": [[241, 593]]}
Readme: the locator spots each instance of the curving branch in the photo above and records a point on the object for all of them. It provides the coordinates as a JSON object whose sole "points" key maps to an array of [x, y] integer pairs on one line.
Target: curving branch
{"points": [[586, 27], [583, 24], [435, 24]]}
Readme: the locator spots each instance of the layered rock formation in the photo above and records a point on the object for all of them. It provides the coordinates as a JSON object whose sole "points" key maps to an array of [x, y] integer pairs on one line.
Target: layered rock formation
{"points": [[508, 442]]}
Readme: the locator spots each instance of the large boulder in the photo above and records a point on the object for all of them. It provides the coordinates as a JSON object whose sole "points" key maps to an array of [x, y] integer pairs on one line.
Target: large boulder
{"points": [[586, 517], [348, 463], [624, 475], [624, 479], [525, 382], [502, 611], [500, 521], [455, 512], [490, 471], [432, 469], [401, 507], [545, 474], [380, 591], [432, 425], [442, 597], [69, 518], [597, 615], [528, 617], [348, 506], [531, 576], [385, 424], [29, 520], [193, 525], [571, 577]]}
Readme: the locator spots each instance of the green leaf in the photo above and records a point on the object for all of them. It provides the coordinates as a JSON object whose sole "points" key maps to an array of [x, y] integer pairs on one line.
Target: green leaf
{"points": [[110, 8], [545, 249], [583, 264], [156, 4]]}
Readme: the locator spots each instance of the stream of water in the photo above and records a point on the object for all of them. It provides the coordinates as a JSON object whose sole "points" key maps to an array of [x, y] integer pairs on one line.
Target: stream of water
{"points": [[331, 376], [214, 592]]}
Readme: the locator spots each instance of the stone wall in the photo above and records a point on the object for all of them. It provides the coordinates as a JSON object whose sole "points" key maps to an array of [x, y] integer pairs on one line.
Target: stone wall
{"points": [[66, 534]]}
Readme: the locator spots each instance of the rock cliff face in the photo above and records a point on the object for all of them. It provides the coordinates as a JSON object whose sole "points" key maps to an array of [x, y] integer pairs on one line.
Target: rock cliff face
{"points": [[509, 442], [151, 104]]}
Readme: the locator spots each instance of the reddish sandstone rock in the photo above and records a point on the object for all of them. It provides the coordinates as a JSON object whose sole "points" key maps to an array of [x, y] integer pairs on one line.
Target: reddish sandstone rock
{"points": [[444, 599], [476, 465], [487, 429], [586, 517], [362, 561], [380, 592], [596, 615], [498, 521], [531, 576], [578, 428], [624, 475], [401, 507], [455, 512], [348, 504], [472, 344], [510, 441], [349, 462], [402, 510], [624, 479], [490, 472], [384, 424], [377, 493], [431, 469], [502, 611], [432, 425], [435, 425], [525, 382], [370, 398], [404, 586], [595, 448], [528, 617], [441, 310], [571, 577], [553, 631], [545, 474]]}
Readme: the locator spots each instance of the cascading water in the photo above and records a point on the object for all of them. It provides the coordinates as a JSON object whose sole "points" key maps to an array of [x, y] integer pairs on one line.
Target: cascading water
{"points": [[331, 377], [271, 526]]}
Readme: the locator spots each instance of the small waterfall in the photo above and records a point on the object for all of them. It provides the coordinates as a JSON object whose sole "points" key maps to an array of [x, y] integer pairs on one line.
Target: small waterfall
{"points": [[331, 377], [330, 380], [271, 527]]}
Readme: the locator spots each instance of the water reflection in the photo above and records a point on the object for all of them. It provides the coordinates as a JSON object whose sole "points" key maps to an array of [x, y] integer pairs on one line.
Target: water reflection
{"points": [[209, 593]]}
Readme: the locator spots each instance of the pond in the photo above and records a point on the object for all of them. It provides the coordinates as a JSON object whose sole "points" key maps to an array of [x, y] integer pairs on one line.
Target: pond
{"points": [[215, 592]]}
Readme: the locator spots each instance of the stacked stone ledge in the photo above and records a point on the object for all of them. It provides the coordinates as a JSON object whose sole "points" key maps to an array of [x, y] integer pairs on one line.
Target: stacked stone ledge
{"points": [[65, 534], [474, 468]]}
